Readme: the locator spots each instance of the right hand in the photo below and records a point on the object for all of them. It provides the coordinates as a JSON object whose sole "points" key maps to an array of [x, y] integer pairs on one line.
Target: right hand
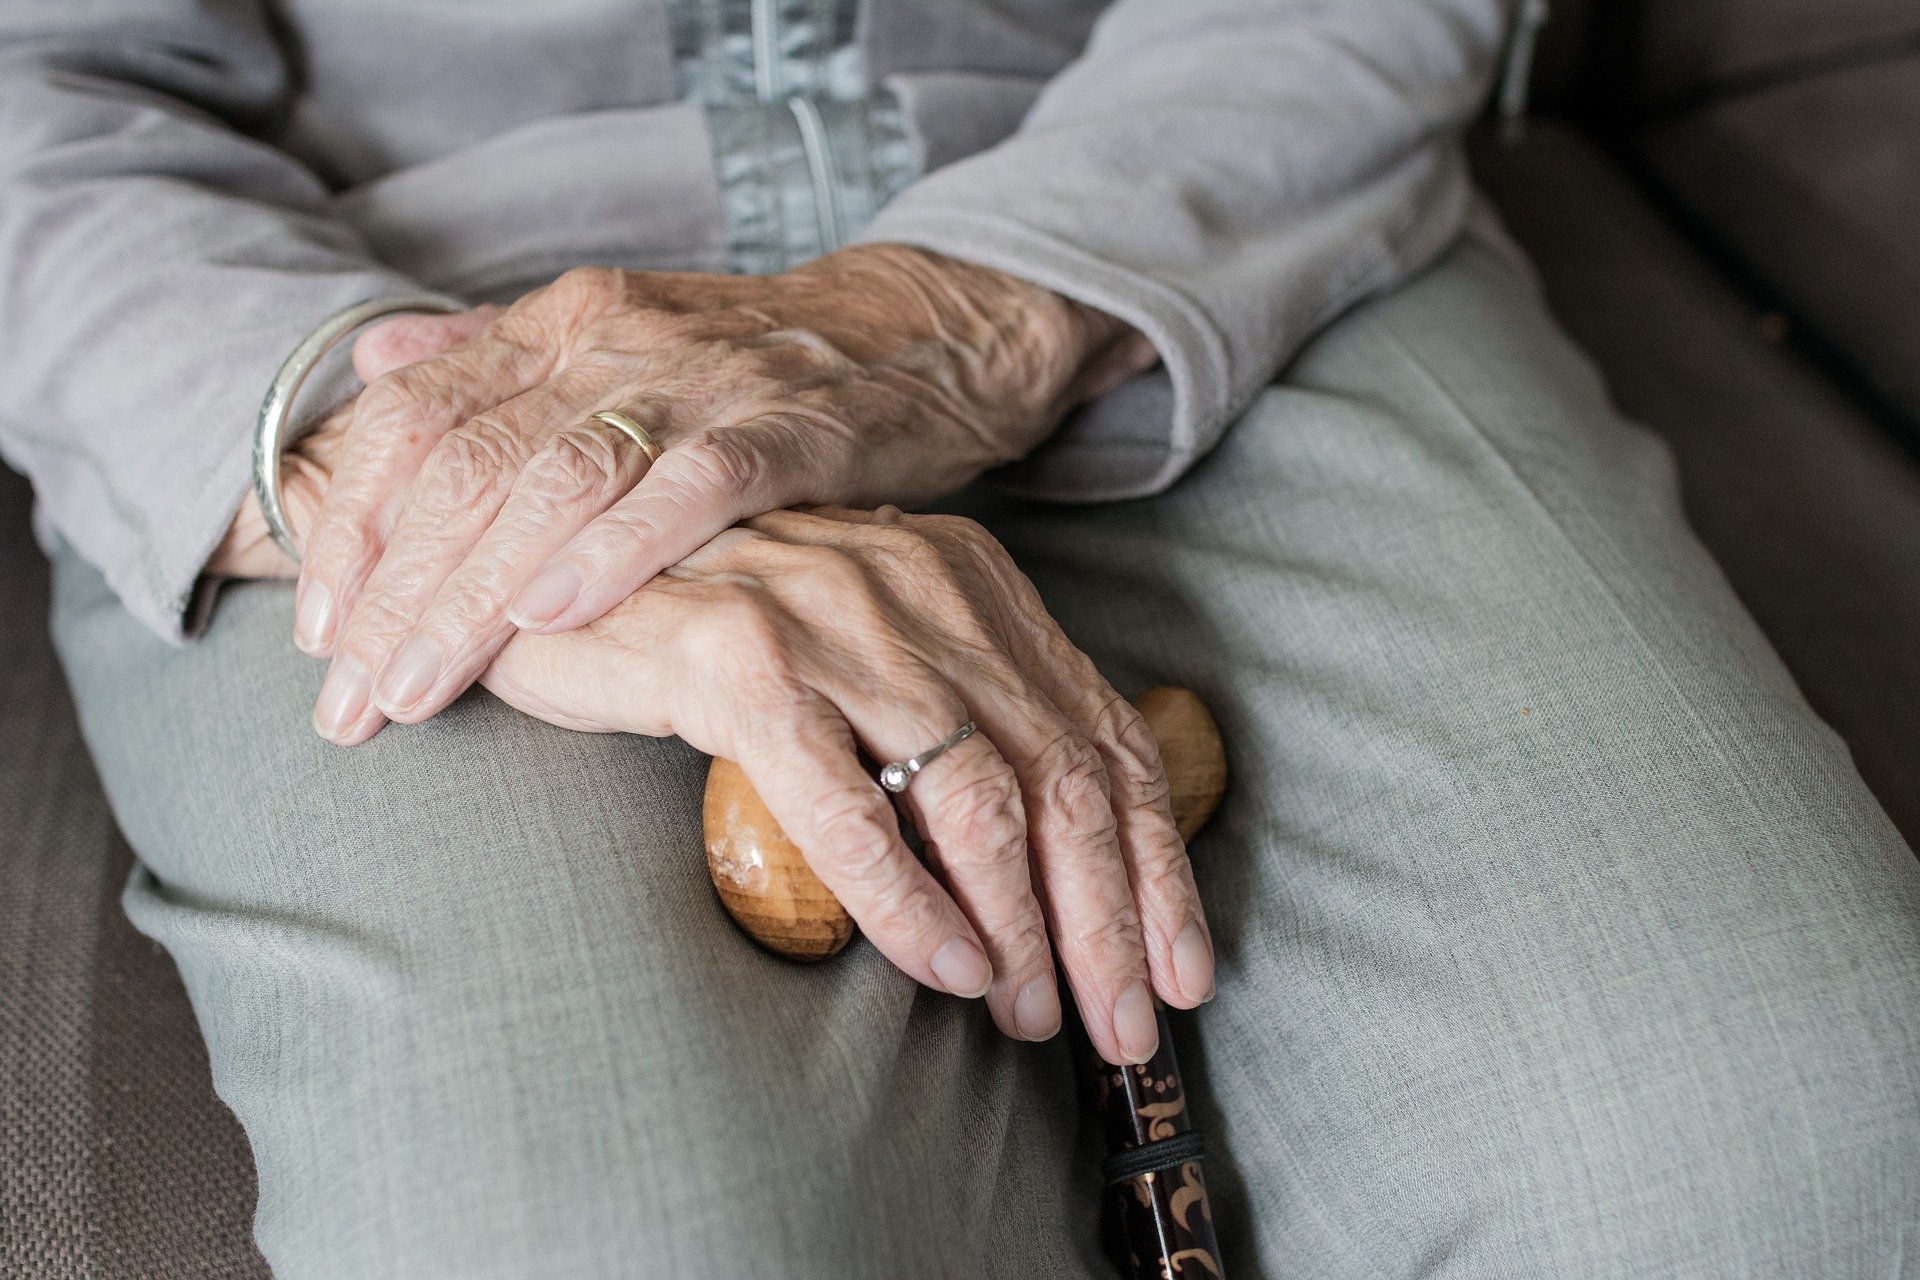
{"points": [[788, 643]]}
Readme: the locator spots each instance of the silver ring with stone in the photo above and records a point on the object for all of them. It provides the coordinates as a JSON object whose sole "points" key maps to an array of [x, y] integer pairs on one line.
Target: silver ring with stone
{"points": [[895, 777]]}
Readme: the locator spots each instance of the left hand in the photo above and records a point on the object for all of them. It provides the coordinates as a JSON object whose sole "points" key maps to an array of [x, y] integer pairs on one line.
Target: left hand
{"points": [[473, 495]]}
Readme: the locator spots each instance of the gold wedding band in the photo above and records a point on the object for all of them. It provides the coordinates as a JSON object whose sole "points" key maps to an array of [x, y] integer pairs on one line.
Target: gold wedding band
{"points": [[633, 430]]}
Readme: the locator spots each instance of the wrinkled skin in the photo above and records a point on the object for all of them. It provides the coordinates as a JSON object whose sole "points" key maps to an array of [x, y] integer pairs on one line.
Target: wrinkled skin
{"points": [[474, 497], [784, 643], [788, 641]]}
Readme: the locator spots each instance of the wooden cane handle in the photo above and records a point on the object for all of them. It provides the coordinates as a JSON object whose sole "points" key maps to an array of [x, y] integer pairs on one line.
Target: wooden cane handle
{"points": [[767, 887]]}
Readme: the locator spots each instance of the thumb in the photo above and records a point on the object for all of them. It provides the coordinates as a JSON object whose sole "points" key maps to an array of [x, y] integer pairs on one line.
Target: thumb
{"points": [[406, 339]]}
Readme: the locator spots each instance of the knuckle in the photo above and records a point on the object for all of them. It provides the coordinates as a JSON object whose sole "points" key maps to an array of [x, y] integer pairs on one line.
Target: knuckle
{"points": [[850, 825], [620, 534], [377, 616], [574, 465], [1025, 940], [738, 626], [908, 551], [1112, 937], [827, 573], [465, 466], [388, 398], [343, 537], [404, 398], [469, 606], [968, 535], [586, 289], [1163, 870], [1075, 782], [984, 817], [711, 467], [1134, 768], [906, 906]]}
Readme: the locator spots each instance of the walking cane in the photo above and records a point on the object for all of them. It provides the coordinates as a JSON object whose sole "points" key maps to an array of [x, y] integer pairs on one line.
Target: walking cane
{"points": [[1157, 1222]]}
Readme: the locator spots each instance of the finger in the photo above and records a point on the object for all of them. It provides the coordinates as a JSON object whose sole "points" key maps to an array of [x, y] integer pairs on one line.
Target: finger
{"points": [[806, 771], [1179, 944], [580, 471], [1090, 908], [1112, 868], [397, 422], [1057, 779], [1178, 940], [1073, 855], [406, 339], [461, 488], [967, 803], [968, 808], [690, 494]]}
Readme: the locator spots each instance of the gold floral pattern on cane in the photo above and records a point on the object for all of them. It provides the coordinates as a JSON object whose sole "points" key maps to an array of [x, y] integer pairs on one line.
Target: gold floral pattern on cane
{"points": [[1176, 1265], [1159, 1117]]}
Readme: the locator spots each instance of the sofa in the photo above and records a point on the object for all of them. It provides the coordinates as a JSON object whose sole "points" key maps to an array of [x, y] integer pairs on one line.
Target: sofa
{"points": [[1722, 198]]}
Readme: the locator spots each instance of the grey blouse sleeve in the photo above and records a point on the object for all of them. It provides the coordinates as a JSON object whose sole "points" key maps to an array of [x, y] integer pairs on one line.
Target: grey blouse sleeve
{"points": [[1227, 176], [156, 264]]}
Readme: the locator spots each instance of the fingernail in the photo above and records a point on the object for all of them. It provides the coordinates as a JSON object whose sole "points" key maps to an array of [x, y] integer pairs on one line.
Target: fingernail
{"points": [[543, 599], [963, 969], [313, 623], [1036, 1010], [342, 698], [1193, 963], [411, 672], [1134, 1025]]}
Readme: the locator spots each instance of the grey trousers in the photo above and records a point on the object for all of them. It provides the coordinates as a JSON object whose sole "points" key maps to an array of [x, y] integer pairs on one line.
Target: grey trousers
{"points": [[1558, 936]]}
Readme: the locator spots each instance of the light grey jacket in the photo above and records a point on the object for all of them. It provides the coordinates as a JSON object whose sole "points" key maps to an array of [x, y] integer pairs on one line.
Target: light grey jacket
{"points": [[188, 186]]}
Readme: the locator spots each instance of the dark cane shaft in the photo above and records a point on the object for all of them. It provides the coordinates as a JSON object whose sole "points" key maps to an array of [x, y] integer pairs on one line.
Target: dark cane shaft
{"points": [[1157, 1223]]}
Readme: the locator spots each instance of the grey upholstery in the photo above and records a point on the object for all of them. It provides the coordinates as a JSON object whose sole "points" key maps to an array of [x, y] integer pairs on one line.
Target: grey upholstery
{"points": [[1682, 48], [117, 1160], [1826, 213]]}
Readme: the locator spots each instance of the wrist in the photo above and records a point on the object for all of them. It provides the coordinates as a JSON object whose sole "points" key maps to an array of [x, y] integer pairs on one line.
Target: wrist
{"points": [[1026, 354]]}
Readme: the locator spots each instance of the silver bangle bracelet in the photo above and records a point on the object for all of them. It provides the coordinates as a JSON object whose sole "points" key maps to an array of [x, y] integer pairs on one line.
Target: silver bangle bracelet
{"points": [[269, 434]]}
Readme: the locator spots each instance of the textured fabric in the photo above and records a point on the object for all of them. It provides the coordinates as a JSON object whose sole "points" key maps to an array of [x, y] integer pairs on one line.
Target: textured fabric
{"points": [[188, 188], [1815, 186], [1809, 505], [1557, 935], [50, 879], [116, 1161], [798, 177]]}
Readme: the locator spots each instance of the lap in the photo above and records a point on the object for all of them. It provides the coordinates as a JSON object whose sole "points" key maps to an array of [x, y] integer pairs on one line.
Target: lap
{"points": [[470, 993], [1555, 931]]}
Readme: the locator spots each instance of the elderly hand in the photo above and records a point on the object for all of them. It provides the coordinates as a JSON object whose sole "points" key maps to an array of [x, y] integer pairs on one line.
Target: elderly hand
{"points": [[474, 496], [787, 644], [306, 469]]}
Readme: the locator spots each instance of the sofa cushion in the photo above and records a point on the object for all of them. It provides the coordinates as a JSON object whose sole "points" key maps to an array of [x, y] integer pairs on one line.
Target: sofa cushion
{"points": [[1687, 48], [116, 1159], [1810, 507], [1814, 185]]}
